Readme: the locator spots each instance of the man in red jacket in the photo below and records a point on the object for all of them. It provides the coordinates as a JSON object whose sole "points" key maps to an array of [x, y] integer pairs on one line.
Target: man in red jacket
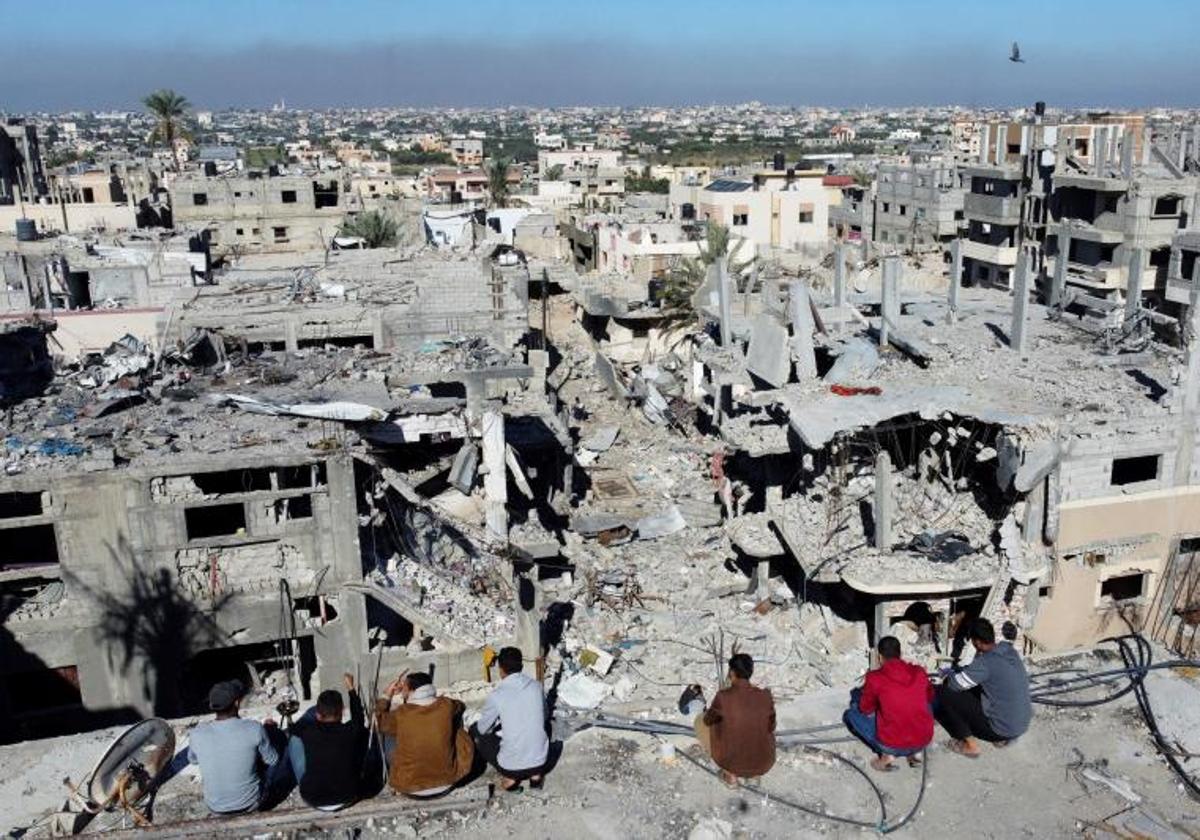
{"points": [[891, 712]]}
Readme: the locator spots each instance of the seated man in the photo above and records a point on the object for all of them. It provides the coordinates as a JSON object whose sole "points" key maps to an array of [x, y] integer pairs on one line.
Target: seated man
{"points": [[890, 713], [738, 729], [327, 754], [519, 748], [988, 699], [238, 763], [430, 752]]}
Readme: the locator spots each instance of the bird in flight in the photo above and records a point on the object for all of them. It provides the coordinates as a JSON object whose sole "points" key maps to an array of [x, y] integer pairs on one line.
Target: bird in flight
{"points": [[1015, 57]]}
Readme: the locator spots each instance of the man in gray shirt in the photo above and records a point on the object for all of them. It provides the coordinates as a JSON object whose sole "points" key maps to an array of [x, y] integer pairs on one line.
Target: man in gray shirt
{"points": [[988, 699], [238, 763], [520, 747]]}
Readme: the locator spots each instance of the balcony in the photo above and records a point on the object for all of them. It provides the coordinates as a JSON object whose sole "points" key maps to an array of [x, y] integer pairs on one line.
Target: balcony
{"points": [[1001, 255], [993, 209]]}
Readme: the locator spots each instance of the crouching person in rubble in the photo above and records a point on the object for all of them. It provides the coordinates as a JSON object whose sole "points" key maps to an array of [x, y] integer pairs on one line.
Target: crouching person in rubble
{"points": [[989, 699], [511, 732], [240, 766], [326, 753], [430, 751], [891, 712], [738, 729]]}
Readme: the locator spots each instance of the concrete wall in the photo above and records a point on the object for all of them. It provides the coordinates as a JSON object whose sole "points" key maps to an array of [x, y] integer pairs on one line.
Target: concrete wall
{"points": [[140, 588], [79, 217]]}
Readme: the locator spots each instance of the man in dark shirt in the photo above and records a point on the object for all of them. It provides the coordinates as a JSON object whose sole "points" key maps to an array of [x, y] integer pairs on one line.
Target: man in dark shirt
{"points": [[327, 754], [738, 729]]}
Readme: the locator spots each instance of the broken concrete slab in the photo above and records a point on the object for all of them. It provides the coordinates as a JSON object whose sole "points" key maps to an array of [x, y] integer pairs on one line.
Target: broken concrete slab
{"points": [[662, 524], [768, 357], [601, 439], [465, 468]]}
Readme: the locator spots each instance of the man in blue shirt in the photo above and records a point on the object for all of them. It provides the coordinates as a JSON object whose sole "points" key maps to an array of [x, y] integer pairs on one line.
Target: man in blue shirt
{"points": [[238, 763], [518, 749]]}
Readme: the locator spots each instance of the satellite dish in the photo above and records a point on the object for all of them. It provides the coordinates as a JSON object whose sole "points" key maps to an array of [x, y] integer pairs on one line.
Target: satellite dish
{"points": [[127, 770], [1015, 56]]}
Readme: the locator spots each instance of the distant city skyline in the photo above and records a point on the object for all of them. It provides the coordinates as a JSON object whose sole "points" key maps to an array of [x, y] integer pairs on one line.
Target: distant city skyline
{"points": [[71, 54]]}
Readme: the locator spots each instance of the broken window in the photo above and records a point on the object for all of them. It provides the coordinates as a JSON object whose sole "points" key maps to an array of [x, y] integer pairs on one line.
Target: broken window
{"points": [[288, 196], [241, 231], [33, 545], [741, 219], [338, 341], [199, 199], [324, 196], [89, 195], [886, 207], [233, 481], [294, 507], [215, 521], [305, 475], [1124, 587], [1167, 205], [1014, 148], [806, 214], [1081, 146], [1134, 470], [280, 234], [903, 209], [13, 505]]}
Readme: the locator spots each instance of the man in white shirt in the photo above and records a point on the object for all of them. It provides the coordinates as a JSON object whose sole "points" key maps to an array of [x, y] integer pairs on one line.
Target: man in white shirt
{"points": [[518, 747]]}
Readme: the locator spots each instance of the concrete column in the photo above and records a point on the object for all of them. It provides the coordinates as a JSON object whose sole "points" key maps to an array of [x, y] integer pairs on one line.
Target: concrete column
{"points": [[956, 261], [884, 503], [726, 316], [1133, 291], [1035, 513], [839, 275], [1020, 316], [1099, 149], [527, 609], [890, 295], [800, 314], [1127, 154], [495, 479], [1058, 286]]}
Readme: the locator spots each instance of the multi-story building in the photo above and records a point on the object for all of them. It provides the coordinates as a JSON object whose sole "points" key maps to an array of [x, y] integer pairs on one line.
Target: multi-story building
{"points": [[21, 172], [466, 151], [256, 212], [916, 205]]}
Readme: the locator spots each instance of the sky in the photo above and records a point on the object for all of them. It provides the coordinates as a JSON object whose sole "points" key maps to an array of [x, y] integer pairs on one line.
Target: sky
{"points": [[70, 54]]}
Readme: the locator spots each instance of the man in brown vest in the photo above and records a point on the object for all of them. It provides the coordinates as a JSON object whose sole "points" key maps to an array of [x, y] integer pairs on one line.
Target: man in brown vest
{"points": [[431, 750], [738, 729]]}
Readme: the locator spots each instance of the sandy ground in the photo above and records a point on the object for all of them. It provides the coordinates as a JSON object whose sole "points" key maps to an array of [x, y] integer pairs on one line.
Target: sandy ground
{"points": [[615, 785]]}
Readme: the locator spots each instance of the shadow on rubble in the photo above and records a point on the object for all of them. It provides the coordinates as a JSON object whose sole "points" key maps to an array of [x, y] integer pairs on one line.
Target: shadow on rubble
{"points": [[150, 628]]}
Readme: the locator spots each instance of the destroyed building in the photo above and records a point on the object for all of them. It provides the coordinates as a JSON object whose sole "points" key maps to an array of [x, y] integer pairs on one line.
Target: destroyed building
{"points": [[225, 508], [933, 459]]}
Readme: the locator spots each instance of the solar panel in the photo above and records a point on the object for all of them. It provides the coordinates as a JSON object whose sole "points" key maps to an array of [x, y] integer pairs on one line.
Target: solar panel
{"points": [[726, 185]]}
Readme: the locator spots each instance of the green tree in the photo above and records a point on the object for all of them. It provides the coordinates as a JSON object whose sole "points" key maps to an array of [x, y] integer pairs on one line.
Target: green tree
{"points": [[553, 173], [169, 108], [497, 182], [686, 276], [377, 229]]}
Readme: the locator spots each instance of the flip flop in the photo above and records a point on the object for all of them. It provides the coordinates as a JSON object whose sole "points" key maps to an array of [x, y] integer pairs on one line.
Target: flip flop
{"points": [[957, 747]]}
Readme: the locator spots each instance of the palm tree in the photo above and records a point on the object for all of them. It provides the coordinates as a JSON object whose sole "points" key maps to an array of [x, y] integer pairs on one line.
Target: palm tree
{"points": [[169, 108], [689, 274], [376, 228], [497, 176]]}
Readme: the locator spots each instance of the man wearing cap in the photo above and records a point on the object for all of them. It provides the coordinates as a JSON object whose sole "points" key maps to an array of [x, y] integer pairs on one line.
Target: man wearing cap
{"points": [[238, 763]]}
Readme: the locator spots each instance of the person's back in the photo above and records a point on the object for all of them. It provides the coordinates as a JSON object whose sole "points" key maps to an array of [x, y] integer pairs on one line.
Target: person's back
{"points": [[432, 750], [333, 752], [899, 693], [521, 706], [228, 751], [742, 719], [1004, 682]]}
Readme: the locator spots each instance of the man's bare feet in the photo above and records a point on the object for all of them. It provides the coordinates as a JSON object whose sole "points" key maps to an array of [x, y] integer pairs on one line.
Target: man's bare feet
{"points": [[914, 761], [883, 763], [966, 747], [508, 784], [729, 779]]}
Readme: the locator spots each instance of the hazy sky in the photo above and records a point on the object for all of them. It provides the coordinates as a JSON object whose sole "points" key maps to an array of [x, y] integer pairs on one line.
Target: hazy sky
{"points": [[61, 54]]}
